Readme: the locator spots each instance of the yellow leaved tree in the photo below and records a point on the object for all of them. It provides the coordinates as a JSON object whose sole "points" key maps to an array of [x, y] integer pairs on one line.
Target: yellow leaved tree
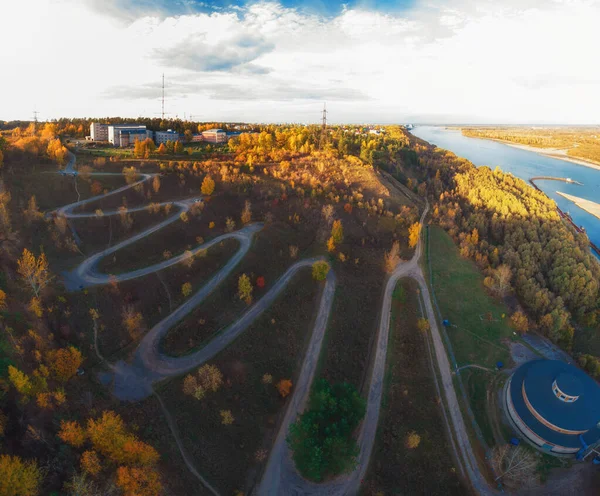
{"points": [[34, 271]]}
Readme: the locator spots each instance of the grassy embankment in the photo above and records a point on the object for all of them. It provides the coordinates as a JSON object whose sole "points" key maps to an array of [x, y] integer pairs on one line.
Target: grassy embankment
{"points": [[475, 339], [410, 404]]}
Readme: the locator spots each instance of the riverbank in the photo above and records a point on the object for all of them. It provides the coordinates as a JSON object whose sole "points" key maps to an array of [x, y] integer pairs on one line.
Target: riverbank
{"points": [[587, 205], [558, 153]]}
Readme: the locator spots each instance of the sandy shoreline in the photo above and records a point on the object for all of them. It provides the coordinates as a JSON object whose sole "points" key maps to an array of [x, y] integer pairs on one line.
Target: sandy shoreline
{"points": [[557, 153], [589, 206]]}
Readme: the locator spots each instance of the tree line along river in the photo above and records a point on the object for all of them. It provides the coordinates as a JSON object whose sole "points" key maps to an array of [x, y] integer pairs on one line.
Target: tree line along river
{"points": [[526, 165]]}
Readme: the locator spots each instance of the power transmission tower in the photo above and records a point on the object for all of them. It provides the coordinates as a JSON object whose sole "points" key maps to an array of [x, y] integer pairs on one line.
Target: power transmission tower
{"points": [[323, 140]]}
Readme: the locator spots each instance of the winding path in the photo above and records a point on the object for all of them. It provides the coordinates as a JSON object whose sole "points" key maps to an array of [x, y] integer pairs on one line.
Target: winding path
{"points": [[281, 477], [133, 381]]}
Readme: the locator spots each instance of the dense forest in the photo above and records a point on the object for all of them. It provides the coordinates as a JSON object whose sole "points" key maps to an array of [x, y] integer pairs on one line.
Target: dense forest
{"points": [[515, 235], [581, 143]]}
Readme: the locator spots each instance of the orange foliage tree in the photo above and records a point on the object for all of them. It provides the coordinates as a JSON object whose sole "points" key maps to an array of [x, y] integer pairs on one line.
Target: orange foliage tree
{"points": [[138, 481], [72, 433], [284, 386], [90, 463], [64, 362]]}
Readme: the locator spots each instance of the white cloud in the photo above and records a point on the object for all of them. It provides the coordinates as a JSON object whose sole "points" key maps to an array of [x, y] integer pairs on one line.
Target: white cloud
{"points": [[510, 61]]}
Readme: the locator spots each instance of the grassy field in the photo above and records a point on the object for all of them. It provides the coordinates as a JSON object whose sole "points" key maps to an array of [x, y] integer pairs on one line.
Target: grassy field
{"points": [[463, 300], [410, 403]]}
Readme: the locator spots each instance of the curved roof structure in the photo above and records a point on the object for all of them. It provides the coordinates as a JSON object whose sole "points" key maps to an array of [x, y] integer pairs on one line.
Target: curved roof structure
{"points": [[558, 402]]}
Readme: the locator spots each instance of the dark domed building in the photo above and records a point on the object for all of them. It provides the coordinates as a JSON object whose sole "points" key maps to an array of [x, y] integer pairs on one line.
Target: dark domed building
{"points": [[556, 406]]}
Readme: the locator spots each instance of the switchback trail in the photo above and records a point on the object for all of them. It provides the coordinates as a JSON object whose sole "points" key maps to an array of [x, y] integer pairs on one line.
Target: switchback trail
{"points": [[133, 381], [282, 478]]}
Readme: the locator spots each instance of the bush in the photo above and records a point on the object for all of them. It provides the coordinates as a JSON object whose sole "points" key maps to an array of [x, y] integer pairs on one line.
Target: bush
{"points": [[320, 270], [321, 439]]}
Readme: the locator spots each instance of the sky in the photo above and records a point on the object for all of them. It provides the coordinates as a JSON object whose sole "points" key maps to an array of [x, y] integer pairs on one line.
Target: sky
{"points": [[371, 61]]}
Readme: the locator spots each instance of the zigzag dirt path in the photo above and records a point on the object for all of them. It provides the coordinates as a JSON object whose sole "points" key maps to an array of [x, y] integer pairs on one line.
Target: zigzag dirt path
{"points": [[133, 381]]}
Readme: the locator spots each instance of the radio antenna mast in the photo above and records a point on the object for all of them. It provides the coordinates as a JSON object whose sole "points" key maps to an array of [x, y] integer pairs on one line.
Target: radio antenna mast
{"points": [[323, 140]]}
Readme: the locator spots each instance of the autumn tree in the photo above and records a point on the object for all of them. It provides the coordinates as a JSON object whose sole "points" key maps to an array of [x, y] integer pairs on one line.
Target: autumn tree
{"points": [[320, 269], [284, 386], [330, 245], [245, 289], [247, 213], [90, 463], [226, 417], [20, 380], [72, 433], [96, 188], [135, 481], [32, 213], [229, 224], [423, 325], [18, 477], [208, 186], [186, 289], [499, 280], [208, 378], [34, 271], [156, 184], [109, 437], [392, 258], [132, 321], [337, 232], [414, 232], [162, 149], [178, 147], [412, 440], [56, 151], [2, 300], [520, 322], [65, 362], [126, 219]]}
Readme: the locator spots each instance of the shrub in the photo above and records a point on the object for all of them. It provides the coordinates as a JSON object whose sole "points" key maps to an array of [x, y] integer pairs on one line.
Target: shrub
{"points": [[245, 289], [186, 289], [284, 386], [226, 417], [320, 270], [412, 440]]}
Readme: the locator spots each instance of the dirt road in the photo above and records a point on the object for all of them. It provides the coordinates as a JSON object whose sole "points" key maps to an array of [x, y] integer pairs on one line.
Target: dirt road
{"points": [[281, 477]]}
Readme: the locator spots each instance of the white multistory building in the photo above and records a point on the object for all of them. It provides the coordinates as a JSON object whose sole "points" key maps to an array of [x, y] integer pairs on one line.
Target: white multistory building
{"points": [[99, 132]]}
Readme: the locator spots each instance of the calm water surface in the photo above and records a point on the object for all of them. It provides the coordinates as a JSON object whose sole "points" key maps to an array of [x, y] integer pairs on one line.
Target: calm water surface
{"points": [[525, 165]]}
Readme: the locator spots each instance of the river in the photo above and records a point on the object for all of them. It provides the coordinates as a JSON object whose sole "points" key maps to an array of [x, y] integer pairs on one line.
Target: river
{"points": [[525, 165]]}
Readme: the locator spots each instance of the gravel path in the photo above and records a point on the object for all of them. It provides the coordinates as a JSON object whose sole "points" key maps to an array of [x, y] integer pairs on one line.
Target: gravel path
{"points": [[281, 477], [134, 381]]}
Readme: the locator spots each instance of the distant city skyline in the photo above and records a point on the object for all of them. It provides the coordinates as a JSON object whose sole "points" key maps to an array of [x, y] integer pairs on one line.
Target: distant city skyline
{"points": [[373, 61]]}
